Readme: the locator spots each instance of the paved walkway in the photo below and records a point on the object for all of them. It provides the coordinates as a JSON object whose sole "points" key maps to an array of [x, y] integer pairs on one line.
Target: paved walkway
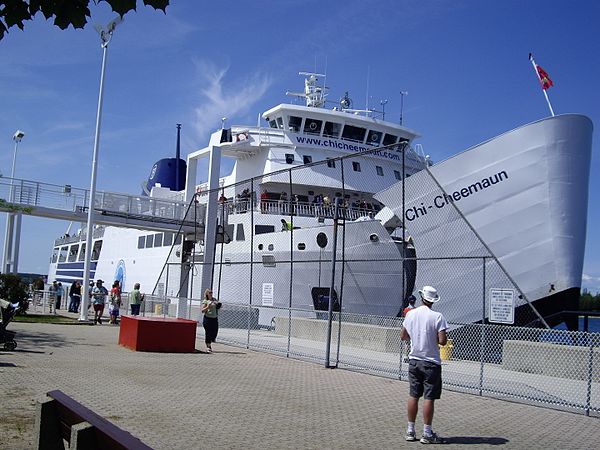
{"points": [[236, 398]]}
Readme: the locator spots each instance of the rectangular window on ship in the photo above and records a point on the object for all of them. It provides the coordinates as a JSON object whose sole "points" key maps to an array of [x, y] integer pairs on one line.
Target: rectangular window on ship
{"points": [[353, 133], [294, 123], [379, 170], [332, 130], [389, 139], [356, 166], [313, 126]]}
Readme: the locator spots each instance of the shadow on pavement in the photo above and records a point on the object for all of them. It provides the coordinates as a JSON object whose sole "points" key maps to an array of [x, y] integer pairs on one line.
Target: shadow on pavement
{"points": [[38, 339], [475, 440]]}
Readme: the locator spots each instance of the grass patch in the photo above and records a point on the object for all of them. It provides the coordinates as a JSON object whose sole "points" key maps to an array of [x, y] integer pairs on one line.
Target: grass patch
{"points": [[43, 318]]}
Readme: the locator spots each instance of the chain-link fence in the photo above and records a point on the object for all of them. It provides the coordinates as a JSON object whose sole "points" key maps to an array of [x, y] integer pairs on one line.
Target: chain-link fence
{"points": [[310, 264]]}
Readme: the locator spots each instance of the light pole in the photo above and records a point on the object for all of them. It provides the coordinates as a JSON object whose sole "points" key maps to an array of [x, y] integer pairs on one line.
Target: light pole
{"points": [[105, 37], [402, 94], [7, 263]]}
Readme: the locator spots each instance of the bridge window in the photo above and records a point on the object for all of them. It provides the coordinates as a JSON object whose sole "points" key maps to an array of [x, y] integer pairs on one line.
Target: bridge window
{"points": [[397, 175], [389, 139], [96, 251], [307, 159], [272, 123], [62, 257], [150, 241], [82, 253], [332, 130], [280, 123], [353, 133], [239, 233], [294, 123], [141, 241], [289, 158], [55, 255], [331, 163], [178, 239], [313, 126], [374, 137], [168, 240], [356, 166], [379, 170], [158, 240], [73, 252]]}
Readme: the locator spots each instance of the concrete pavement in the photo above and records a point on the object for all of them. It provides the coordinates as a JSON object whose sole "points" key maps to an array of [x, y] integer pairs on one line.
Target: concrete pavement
{"points": [[237, 398]]}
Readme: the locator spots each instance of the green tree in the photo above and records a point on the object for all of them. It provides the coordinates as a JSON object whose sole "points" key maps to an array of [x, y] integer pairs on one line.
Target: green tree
{"points": [[64, 12], [13, 290]]}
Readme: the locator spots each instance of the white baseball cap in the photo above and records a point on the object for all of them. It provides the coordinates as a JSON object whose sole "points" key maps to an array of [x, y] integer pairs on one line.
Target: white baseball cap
{"points": [[429, 294]]}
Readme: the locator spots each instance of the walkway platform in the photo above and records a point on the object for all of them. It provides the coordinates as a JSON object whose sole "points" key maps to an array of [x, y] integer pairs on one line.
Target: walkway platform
{"points": [[65, 202], [249, 400]]}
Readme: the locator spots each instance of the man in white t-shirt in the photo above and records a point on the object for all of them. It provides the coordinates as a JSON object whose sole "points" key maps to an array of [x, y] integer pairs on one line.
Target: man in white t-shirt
{"points": [[426, 330]]}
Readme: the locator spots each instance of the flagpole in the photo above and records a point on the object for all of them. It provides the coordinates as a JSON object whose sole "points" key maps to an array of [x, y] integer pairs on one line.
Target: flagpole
{"points": [[540, 79]]}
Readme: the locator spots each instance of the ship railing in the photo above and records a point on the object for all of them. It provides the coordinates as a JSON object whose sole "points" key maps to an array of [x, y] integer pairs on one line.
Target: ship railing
{"points": [[291, 208], [80, 236]]}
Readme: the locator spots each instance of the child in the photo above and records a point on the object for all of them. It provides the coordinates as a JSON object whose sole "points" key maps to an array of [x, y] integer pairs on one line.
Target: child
{"points": [[115, 302]]}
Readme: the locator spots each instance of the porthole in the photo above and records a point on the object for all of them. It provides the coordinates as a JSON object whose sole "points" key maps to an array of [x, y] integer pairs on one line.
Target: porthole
{"points": [[271, 247], [301, 246], [322, 240], [260, 246]]}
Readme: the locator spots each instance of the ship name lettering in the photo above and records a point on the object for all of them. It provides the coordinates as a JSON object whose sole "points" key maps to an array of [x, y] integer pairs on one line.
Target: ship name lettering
{"points": [[439, 201]]}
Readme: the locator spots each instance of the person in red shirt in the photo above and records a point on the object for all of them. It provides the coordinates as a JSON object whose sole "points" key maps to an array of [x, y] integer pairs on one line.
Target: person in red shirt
{"points": [[411, 305]]}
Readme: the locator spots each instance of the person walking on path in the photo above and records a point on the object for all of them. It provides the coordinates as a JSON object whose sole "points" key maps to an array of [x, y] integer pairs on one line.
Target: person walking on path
{"points": [[75, 296], [135, 299], [426, 330], [99, 294], [210, 322]]}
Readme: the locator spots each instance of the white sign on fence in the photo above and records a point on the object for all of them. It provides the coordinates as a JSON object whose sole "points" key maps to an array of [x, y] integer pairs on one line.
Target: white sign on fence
{"points": [[502, 306], [267, 294]]}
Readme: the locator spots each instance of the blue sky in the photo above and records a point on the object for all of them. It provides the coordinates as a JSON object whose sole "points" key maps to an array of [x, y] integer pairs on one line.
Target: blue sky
{"points": [[463, 63]]}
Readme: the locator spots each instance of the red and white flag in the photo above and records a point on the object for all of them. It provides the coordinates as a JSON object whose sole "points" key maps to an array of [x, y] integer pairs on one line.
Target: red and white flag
{"points": [[544, 78], [545, 81]]}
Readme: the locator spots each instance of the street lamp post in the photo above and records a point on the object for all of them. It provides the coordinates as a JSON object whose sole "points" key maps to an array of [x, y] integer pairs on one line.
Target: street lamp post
{"points": [[105, 37], [402, 94], [7, 262]]}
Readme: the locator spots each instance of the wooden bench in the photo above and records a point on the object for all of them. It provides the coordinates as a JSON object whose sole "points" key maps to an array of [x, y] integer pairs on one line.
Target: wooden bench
{"points": [[60, 418]]}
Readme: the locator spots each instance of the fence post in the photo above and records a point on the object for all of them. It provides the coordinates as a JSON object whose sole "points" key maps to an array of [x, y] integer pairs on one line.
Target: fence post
{"points": [[481, 366], [332, 285], [588, 399]]}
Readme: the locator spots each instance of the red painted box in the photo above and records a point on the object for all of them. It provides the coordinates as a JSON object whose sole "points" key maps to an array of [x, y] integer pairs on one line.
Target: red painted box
{"points": [[158, 334]]}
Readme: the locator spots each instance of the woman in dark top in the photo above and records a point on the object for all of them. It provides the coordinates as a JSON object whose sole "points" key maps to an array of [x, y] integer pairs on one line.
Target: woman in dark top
{"points": [[210, 322]]}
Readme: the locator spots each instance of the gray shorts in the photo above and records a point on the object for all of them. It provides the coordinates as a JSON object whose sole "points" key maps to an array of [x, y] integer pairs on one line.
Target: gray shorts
{"points": [[425, 377]]}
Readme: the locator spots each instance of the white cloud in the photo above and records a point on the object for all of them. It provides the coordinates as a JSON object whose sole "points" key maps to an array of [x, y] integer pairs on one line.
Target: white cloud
{"points": [[221, 99], [590, 282]]}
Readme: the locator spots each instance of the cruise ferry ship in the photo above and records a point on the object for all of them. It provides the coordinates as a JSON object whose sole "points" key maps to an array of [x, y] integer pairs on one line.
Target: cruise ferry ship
{"points": [[518, 200]]}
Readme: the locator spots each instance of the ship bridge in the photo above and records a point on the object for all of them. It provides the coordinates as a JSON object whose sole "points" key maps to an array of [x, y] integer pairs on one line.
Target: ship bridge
{"points": [[65, 202]]}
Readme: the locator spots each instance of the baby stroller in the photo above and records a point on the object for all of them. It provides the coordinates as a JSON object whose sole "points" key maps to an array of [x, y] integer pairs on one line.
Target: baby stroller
{"points": [[8, 311]]}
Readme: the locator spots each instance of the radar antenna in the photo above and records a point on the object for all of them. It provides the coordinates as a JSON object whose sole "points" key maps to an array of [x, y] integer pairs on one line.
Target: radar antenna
{"points": [[346, 102], [313, 93]]}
